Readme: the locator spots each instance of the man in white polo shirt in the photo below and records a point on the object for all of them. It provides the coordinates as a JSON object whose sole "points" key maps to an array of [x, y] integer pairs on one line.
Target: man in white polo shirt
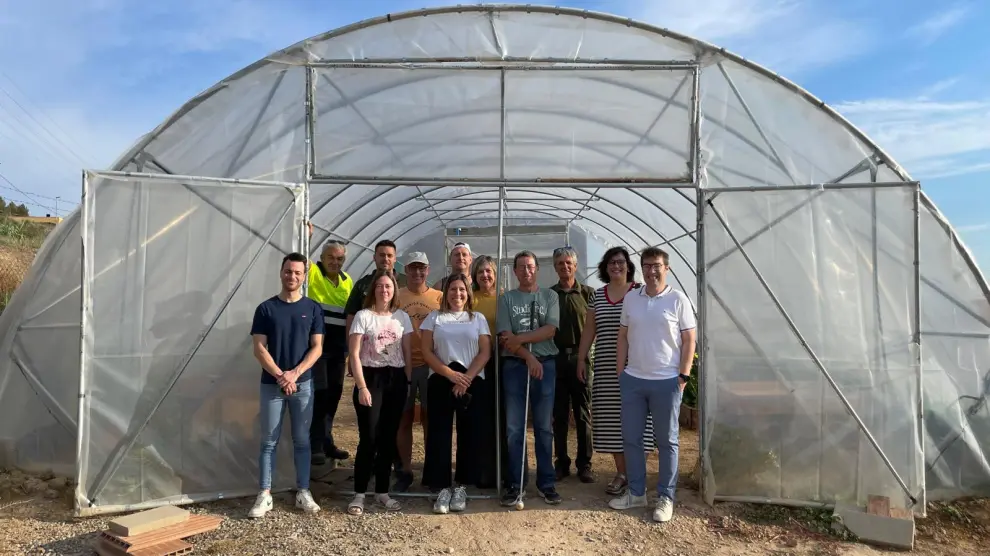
{"points": [[657, 331]]}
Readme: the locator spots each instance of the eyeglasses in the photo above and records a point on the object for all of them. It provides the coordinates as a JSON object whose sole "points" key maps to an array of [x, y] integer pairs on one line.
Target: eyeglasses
{"points": [[562, 250], [618, 262]]}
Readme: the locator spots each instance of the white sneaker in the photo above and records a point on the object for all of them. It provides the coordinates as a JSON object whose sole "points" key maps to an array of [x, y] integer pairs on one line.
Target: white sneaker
{"points": [[305, 502], [459, 502], [664, 510], [442, 504], [262, 505], [627, 501]]}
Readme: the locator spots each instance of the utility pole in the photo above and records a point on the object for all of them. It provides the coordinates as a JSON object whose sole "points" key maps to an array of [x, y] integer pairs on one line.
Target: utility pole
{"points": [[56, 205]]}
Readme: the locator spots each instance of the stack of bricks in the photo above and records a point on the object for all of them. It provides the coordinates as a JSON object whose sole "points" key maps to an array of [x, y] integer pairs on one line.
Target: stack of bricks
{"points": [[157, 532]]}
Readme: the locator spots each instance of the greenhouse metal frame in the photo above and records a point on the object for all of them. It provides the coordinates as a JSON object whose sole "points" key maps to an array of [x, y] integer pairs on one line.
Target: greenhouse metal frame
{"points": [[747, 218]]}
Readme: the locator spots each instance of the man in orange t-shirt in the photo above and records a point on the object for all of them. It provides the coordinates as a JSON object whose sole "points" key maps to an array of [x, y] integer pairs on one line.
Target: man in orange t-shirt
{"points": [[417, 299]]}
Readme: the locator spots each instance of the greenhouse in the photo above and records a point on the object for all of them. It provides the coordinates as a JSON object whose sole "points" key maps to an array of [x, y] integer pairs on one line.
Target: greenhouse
{"points": [[844, 337]]}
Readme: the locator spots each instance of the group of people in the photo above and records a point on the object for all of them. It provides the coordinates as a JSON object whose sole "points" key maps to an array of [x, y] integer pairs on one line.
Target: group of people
{"points": [[404, 340]]}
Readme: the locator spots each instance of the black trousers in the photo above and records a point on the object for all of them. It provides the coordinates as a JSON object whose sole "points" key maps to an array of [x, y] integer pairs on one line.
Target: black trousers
{"points": [[571, 394], [490, 431], [328, 379], [444, 406], [378, 426]]}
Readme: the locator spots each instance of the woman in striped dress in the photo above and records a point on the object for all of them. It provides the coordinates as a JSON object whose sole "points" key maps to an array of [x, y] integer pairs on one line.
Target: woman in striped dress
{"points": [[601, 328]]}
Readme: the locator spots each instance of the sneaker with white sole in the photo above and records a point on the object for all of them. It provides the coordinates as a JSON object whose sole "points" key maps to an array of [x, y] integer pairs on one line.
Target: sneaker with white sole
{"points": [[459, 501], [442, 504], [262, 505], [627, 501], [305, 502], [664, 510]]}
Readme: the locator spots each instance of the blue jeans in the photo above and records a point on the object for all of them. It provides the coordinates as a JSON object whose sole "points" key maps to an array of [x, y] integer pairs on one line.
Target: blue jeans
{"points": [[273, 403], [662, 399], [541, 395]]}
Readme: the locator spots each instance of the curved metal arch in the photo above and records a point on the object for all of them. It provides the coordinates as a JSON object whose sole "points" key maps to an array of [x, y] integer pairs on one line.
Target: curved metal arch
{"points": [[472, 216], [596, 210], [376, 193], [630, 189], [687, 262], [617, 237], [590, 209]]}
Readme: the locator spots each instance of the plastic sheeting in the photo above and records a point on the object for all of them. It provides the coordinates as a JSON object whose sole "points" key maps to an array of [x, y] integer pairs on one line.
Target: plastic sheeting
{"points": [[168, 377], [588, 129], [775, 425]]}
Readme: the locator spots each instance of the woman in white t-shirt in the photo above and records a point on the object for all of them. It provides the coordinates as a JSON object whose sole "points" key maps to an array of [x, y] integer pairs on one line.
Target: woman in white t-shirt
{"points": [[380, 353], [456, 346]]}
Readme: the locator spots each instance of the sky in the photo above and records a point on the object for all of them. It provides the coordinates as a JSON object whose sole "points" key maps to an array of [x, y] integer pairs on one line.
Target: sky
{"points": [[81, 81]]}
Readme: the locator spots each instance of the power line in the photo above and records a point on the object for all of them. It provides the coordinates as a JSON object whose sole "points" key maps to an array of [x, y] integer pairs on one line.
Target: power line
{"points": [[40, 196], [43, 112], [26, 195], [42, 126]]}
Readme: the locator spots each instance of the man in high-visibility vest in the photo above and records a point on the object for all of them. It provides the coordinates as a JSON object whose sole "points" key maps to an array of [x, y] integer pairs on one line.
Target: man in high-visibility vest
{"points": [[329, 286]]}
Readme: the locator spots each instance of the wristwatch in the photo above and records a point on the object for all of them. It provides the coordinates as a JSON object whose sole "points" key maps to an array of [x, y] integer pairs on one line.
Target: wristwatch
{"points": [[685, 378]]}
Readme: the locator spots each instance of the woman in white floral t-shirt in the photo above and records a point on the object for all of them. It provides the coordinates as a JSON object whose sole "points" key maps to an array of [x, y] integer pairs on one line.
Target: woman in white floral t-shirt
{"points": [[379, 346]]}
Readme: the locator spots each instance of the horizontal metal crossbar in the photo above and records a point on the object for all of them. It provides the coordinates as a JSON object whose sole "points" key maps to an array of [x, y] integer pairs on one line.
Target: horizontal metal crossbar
{"points": [[646, 183], [509, 64]]}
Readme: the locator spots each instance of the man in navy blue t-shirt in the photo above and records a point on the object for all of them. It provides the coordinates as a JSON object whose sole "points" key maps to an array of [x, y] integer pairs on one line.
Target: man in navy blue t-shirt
{"points": [[287, 334]]}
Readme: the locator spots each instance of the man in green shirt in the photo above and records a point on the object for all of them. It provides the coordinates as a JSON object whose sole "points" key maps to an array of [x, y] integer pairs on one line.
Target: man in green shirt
{"points": [[526, 322], [571, 392]]}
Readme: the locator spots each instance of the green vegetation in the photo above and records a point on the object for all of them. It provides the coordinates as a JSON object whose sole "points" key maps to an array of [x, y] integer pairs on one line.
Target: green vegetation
{"points": [[19, 241], [11, 209], [690, 397]]}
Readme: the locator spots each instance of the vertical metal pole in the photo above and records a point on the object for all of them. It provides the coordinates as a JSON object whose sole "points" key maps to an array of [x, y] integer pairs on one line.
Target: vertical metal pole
{"points": [[701, 280], [310, 124], [310, 131], [696, 128], [82, 423], [919, 360], [304, 239], [702, 345], [501, 163], [446, 253], [498, 280]]}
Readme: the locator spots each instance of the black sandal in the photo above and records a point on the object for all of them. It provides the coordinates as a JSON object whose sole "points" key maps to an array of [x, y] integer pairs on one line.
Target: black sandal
{"points": [[618, 485]]}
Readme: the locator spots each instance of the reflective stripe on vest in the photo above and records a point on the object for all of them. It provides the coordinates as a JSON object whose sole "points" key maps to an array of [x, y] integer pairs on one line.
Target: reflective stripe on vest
{"points": [[334, 314]]}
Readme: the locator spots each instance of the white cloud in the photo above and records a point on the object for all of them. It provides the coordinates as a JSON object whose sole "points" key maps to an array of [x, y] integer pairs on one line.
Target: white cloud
{"points": [[936, 25], [930, 138], [972, 228], [787, 36]]}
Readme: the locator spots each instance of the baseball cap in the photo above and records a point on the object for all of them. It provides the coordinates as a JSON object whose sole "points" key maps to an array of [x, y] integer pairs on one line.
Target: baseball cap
{"points": [[461, 244], [417, 257]]}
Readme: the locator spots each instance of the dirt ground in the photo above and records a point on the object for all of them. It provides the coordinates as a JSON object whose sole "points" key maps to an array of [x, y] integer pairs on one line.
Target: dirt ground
{"points": [[35, 517]]}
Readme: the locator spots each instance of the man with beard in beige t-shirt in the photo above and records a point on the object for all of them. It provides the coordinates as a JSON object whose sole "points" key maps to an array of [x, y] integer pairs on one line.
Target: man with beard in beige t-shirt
{"points": [[417, 299]]}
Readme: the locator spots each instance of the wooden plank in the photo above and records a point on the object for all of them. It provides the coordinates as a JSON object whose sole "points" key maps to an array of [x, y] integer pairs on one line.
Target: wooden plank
{"points": [[149, 520], [104, 547], [168, 548], [878, 505], [195, 525]]}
